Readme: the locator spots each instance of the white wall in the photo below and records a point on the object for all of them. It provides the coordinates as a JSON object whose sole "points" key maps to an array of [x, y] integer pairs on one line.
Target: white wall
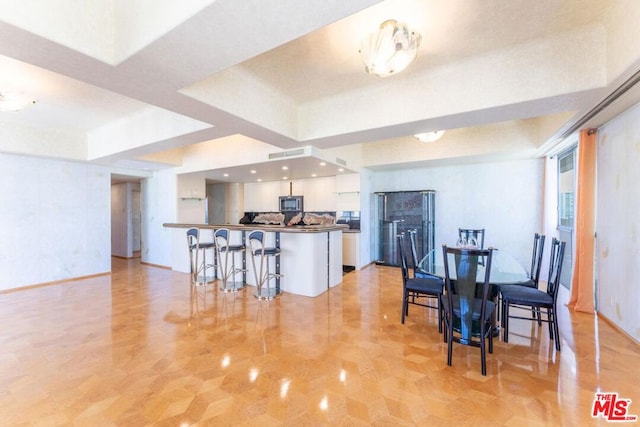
{"points": [[618, 221], [505, 198], [120, 220], [55, 217], [158, 207]]}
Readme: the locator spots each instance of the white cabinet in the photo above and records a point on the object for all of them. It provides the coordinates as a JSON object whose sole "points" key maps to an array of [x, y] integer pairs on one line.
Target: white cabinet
{"points": [[348, 183], [319, 194], [262, 196], [296, 188], [347, 190], [350, 249]]}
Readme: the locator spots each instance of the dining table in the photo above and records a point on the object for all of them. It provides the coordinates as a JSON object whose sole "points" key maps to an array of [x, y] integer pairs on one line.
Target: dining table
{"points": [[505, 270]]}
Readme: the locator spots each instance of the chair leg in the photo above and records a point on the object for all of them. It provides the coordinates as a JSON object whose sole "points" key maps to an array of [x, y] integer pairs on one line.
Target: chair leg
{"points": [[404, 305], [555, 327], [505, 321], [483, 355], [491, 340], [439, 315], [450, 346], [538, 315]]}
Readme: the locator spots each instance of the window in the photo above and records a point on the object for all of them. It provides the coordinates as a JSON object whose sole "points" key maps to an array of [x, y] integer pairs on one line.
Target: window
{"points": [[566, 210], [566, 189]]}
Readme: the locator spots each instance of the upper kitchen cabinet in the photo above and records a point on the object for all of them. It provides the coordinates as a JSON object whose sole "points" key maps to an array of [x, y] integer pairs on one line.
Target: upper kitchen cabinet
{"points": [[292, 188], [348, 183], [347, 188], [262, 196], [319, 195]]}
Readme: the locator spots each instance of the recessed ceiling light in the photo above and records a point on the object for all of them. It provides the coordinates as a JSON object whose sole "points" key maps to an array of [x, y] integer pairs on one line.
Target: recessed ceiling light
{"points": [[225, 174], [340, 170], [313, 175], [284, 177], [259, 180], [323, 164], [284, 168], [252, 171]]}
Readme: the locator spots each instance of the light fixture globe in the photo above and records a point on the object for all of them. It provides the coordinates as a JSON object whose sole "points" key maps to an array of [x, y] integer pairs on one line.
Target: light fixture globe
{"points": [[432, 136], [390, 50], [14, 101]]}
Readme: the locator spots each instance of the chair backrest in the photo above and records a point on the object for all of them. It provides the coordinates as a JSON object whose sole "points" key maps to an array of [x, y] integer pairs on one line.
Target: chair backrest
{"points": [[467, 262], [193, 243], [536, 257], [476, 233], [403, 259], [555, 267], [221, 237], [414, 253], [256, 240]]}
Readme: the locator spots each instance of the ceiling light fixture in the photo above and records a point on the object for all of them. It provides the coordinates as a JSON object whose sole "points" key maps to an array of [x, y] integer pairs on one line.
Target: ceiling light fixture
{"points": [[390, 50], [14, 101], [430, 136]]}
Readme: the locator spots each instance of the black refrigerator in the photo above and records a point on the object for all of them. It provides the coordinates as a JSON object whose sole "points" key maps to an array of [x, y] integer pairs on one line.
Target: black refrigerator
{"points": [[400, 212]]}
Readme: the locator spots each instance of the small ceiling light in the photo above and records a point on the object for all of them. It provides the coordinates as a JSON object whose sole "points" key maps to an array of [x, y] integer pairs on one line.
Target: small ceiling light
{"points": [[390, 50], [284, 168], [259, 179], [340, 170], [313, 175], [14, 101], [284, 177], [252, 171], [430, 136], [323, 164], [225, 175]]}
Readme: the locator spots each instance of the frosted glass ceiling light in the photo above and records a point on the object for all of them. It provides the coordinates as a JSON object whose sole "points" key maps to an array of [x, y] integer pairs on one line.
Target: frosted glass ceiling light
{"points": [[13, 101], [430, 136], [390, 50]]}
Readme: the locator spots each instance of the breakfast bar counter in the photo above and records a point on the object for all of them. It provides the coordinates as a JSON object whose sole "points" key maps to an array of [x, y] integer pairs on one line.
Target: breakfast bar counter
{"points": [[310, 255]]}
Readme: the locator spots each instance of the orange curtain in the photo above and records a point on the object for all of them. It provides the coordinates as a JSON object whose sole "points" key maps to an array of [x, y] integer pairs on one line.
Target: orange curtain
{"points": [[583, 267]]}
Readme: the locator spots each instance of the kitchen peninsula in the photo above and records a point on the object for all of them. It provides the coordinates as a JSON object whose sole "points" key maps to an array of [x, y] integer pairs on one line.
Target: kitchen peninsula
{"points": [[310, 257]]}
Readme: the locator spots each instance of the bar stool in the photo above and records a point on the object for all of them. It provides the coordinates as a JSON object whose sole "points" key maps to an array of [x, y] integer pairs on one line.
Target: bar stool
{"points": [[224, 250], [263, 275], [201, 272]]}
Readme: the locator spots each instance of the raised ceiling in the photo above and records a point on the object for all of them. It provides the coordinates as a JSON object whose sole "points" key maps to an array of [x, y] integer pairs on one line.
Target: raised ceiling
{"points": [[135, 79]]}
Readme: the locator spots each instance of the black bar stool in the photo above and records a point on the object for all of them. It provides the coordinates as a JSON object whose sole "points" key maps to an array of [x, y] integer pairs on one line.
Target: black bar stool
{"points": [[261, 254], [228, 270], [201, 272]]}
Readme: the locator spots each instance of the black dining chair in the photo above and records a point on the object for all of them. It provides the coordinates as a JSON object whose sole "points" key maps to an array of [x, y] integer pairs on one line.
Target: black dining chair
{"points": [[536, 299], [534, 272], [466, 303], [419, 290], [417, 272]]}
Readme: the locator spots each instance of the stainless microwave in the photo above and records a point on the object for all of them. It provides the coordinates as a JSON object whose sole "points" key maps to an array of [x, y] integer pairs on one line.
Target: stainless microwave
{"points": [[290, 203]]}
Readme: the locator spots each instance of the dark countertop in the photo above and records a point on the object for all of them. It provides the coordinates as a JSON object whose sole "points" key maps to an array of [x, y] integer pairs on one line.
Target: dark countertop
{"points": [[266, 227]]}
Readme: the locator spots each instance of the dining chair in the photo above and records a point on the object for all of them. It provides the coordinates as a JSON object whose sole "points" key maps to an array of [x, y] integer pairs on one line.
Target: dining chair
{"points": [[534, 272], [416, 288], [466, 303], [536, 299], [476, 233], [417, 272]]}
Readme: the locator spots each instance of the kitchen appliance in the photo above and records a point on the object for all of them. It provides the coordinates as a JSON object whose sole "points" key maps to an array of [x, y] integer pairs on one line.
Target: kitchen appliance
{"points": [[290, 204]]}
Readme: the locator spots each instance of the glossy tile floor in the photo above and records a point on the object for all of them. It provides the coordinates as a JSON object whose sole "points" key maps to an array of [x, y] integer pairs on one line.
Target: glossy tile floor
{"points": [[136, 348]]}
